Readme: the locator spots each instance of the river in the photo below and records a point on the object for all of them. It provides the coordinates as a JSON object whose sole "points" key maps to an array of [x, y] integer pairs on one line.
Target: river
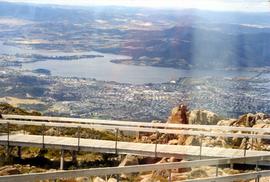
{"points": [[101, 68]]}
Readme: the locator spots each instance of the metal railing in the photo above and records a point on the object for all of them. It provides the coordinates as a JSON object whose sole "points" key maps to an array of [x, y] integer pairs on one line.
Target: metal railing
{"points": [[145, 168]]}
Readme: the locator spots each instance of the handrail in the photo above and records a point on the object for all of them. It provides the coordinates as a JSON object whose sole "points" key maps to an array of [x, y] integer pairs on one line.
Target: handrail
{"points": [[134, 123], [137, 129], [131, 169], [243, 176]]}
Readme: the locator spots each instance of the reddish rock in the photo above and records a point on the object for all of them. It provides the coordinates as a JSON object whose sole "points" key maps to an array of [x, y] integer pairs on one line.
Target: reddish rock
{"points": [[178, 115]]}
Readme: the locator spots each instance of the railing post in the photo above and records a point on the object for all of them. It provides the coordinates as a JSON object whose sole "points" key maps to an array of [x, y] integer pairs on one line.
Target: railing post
{"points": [[74, 157], [8, 144], [19, 153], [252, 142], [245, 147], [118, 177], [231, 165], [157, 135], [201, 140], [8, 132], [170, 175], [138, 134], [217, 170], [257, 179], [116, 140], [257, 165], [43, 136], [79, 138], [24, 129], [62, 160]]}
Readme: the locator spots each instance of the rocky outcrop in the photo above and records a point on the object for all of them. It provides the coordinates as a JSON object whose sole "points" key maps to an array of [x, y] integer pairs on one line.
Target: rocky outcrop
{"points": [[178, 115], [203, 117], [258, 120], [249, 120], [262, 144]]}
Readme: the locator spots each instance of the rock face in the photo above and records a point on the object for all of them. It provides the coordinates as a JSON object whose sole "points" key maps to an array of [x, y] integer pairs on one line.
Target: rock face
{"points": [[178, 115], [250, 120], [258, 120], [247, 120], [203, 117]]}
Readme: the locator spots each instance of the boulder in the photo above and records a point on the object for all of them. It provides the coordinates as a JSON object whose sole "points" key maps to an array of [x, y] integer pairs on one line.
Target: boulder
{"points": [[8, 170], [260, 142], [247, 120], [173, 142], [263, 121], [181, 139], [129, 160], [52, 132], [261, 116], [112, 180], [203, 117], [228, 122], [178, 115], [163, 160], [179, 170], [250, 119], [191, 140], [198, 173], [173, 159], [98, 179]]}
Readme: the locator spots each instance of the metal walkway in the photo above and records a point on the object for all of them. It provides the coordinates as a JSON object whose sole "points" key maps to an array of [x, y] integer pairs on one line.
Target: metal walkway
{"points": [[107, 146]]}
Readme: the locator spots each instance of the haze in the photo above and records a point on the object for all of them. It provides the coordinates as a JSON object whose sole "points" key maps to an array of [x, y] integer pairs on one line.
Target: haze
{"points": [[217, 5]]}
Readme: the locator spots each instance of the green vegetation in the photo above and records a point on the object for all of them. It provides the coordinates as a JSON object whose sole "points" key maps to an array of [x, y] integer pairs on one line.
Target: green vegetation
{"points": [[8, 109]]}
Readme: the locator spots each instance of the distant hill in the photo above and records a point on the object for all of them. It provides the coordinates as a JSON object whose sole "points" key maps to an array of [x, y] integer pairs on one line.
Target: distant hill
{"points": [[178, 38], [203, 48]]}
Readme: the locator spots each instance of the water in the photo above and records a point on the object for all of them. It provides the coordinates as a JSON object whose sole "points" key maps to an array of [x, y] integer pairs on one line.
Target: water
{"points": [[101, 68]]}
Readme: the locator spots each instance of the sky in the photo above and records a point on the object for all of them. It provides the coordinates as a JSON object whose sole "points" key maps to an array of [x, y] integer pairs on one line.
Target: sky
{"points": [[218, 5]]}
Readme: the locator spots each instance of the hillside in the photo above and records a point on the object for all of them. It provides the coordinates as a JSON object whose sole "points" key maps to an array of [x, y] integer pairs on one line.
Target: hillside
{"points": [[177, 39], [9, 109]]}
